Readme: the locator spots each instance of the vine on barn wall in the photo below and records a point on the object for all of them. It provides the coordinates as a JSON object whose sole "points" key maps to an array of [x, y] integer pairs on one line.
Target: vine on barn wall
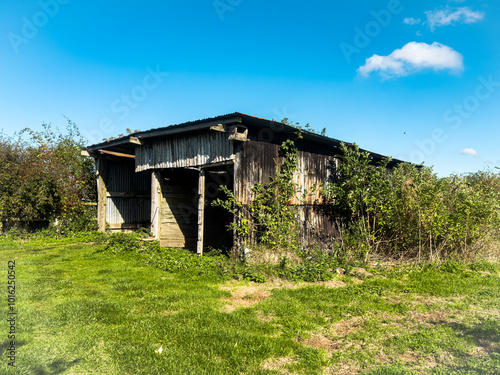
{"points": [[271, 214]]}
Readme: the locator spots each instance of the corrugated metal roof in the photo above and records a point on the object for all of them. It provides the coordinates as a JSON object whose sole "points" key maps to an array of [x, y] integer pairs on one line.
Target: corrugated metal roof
{"points": [[124, 144]]}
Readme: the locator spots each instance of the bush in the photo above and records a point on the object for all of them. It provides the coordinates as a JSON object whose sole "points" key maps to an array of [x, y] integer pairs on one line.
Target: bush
{"points": [[410, 211], [124, 242], [43, 177], [171, 259]]}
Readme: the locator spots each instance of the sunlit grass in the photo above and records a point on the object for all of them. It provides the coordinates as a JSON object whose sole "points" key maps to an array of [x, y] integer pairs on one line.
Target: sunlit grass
{"points": [[84, 310]]}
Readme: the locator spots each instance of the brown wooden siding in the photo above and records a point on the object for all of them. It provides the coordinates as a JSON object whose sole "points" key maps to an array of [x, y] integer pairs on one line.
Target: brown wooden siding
{"points": [[256, 162]]}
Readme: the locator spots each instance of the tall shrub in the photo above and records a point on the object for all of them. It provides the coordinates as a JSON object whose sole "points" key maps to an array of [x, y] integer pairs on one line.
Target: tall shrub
{"points": [[44, 177], [410, 211]]}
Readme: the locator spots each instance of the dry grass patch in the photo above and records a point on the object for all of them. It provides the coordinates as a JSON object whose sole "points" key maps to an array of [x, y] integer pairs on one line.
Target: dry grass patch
{"points": [[244, 296], [361, 272], [430, 318], [344, 369], [264, 318], [278, 364], [250, 293], [320, 341], [347, 326], [259, 254], [335, 283]]}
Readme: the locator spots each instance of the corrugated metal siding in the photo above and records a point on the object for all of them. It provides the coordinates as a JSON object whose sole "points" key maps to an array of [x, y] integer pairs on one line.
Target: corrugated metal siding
{"points": [[186, 150], [312, 171], [128, 210], [317, 224], [254, 163], [314, 225], [121, 178]]}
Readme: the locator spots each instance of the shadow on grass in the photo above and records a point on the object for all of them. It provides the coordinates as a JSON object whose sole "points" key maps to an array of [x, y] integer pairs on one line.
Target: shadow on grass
{"points": [[5, 345], [484, 334], [56, 367]]}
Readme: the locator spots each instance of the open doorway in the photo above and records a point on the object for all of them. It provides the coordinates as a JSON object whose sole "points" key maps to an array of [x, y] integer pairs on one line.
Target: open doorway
{"points": [[217, 219], [179, 204]]}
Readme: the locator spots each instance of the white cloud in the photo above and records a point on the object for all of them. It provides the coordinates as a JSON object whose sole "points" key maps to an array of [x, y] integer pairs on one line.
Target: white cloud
{"points": [[412, 21], [469, 151], [448, 16], [412, 58]]}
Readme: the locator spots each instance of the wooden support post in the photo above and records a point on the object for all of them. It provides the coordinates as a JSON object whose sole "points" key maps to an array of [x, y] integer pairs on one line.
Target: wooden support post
{"points": [[155, 204], [201, 211], [101, 194]]}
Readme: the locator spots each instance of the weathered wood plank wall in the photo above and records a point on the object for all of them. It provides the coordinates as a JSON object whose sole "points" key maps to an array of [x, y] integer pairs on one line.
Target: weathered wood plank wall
{"points": [[256, 162], [185, 150], [178, 209]]}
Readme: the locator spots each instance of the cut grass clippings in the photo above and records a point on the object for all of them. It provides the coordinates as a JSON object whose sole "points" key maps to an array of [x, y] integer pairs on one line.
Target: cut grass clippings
{"points": [[85, 310]]}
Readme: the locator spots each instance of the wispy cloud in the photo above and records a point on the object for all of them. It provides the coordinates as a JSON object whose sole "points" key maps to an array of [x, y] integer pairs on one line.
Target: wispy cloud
{"points": [[469, 151], [450, 16], [412, 21], [413, 57]]}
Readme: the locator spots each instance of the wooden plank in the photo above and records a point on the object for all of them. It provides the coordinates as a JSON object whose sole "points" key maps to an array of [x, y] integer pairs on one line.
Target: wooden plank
{"points": [[135, 140], [101, 194], [201, 211], [126, 226], [170, 243], [238, 137], [155, 204], [119, 154], [131, 194], [218, 127]]}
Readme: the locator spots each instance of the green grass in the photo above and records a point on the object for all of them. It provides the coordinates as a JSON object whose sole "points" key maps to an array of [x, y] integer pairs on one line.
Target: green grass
{"points": [[86, 310]]}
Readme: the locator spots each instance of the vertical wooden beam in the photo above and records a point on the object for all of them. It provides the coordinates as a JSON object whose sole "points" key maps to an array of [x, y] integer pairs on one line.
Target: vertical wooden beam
{"points": [[155, 204], [201, 211], [101, 194], [238, 193]]}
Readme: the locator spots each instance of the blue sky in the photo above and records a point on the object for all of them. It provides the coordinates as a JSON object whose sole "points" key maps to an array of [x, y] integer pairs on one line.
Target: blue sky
{"points": [[416, 80]]}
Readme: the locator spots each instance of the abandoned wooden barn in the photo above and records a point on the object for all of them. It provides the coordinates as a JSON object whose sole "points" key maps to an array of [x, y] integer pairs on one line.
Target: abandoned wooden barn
{"points": [[165, 179]]}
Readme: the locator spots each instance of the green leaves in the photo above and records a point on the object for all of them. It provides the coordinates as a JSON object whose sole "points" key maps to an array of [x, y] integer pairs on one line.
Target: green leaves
{"points": [[271, 214], [411, 211], [43, 176]]}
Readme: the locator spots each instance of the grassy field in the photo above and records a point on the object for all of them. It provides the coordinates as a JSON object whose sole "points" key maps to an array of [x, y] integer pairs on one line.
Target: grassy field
{"points": [[84, 310]]}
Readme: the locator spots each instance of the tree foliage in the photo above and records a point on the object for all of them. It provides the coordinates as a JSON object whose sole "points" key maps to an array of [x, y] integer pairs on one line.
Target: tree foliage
{"points": [[43, 177]]}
